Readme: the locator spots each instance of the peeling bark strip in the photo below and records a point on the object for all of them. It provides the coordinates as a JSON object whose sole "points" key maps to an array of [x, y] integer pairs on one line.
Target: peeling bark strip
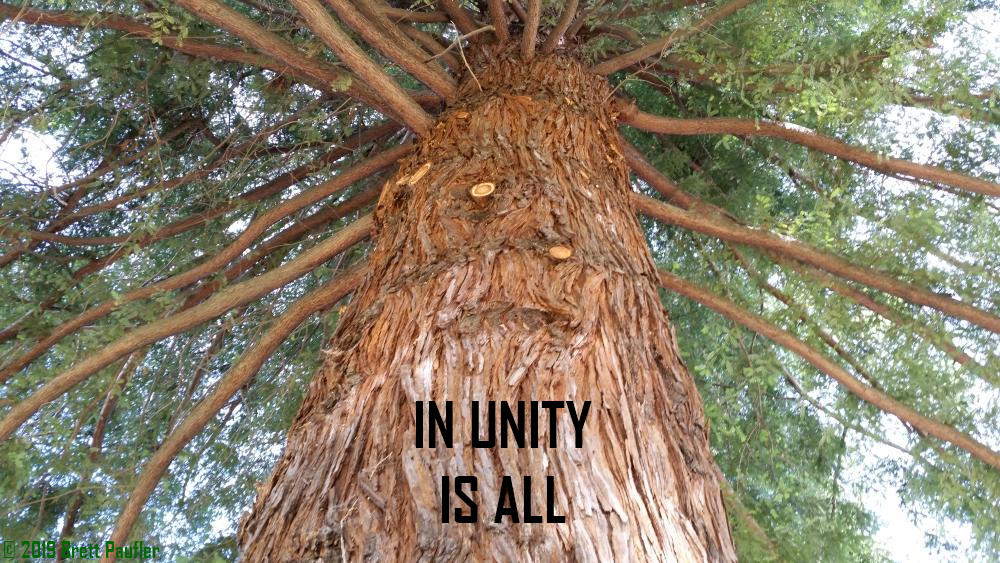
{"points": [[464, 301]]}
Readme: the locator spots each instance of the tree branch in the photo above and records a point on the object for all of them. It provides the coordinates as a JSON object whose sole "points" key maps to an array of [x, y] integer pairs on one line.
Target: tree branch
{"points": [[463, 21], [316, 300], [218, 14], [284, 239], [661, 46], [242, 242], [565, 20], [226, 299], [708, 221], [433, 46], [396, 99], [802, 136], [529, 35], [132, 28], [394, 46], [401, 15], [97, 442], [942, 342], [761, 281], [864, 392], [498, 15]]}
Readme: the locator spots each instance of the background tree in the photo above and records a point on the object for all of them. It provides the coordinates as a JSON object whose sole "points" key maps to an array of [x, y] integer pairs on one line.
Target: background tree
{"points": [[817, 183]]}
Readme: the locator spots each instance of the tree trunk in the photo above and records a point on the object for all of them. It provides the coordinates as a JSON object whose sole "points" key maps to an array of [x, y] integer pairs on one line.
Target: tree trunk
{"points": [[475, 299]]}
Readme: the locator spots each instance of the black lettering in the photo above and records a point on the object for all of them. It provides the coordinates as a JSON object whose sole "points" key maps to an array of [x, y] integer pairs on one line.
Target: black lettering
{"points": [[509, 424], [550, 495], [506, 504], [445, 499], [534, 424], [553, 407], [529, 518], [473, 507], [491, 440], [445, 426], [578, 422], [419, 423]]}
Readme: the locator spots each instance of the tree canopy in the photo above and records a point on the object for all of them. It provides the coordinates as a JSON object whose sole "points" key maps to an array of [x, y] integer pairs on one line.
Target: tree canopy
{"points": [[184, 189]]}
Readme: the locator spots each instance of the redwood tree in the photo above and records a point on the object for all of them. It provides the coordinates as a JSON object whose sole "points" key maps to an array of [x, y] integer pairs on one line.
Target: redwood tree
{"points": [[244, 241]]}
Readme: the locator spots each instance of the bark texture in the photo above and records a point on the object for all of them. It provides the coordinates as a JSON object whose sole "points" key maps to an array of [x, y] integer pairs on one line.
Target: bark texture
{"points": [[465, 301]]}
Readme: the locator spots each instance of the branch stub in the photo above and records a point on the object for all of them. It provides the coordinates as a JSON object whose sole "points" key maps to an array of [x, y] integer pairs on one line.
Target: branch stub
{"points": [[482, 189], [560, 252]]}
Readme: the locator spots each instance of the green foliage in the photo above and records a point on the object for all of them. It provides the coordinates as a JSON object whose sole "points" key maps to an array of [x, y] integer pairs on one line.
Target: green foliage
{"points": [[904, 78]]}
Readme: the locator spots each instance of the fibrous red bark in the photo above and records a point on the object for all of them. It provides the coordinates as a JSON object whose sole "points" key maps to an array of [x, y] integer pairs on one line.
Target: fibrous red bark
{"points": [[465, 300]]}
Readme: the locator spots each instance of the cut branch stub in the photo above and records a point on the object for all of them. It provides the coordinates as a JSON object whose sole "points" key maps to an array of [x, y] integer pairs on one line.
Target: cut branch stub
{"points": [[482, 189], [560, 252]]}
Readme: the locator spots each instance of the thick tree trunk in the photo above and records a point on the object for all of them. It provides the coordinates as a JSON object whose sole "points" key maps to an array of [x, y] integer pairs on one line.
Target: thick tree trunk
{"points": [[467, 300]]}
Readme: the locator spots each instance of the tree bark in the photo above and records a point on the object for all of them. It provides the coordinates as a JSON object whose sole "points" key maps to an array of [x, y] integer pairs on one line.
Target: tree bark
{"points": [[466, 299]]}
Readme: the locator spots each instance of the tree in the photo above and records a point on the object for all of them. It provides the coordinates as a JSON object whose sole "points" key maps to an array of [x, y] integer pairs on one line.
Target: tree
{"points": [[543, 180]]}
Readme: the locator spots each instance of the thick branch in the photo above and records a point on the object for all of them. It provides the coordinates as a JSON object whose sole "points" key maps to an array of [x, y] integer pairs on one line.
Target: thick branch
{"points": [[401, 15], [802, 136], [648, 173], [247, 367], [463, 21], [394, 47], [498, 16], [565, 20], [708, 222], [326, 28], [285, 239], [189, 46], [864, 392], [226, 299], [661, 46], [270, 43], [530, 33]]}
